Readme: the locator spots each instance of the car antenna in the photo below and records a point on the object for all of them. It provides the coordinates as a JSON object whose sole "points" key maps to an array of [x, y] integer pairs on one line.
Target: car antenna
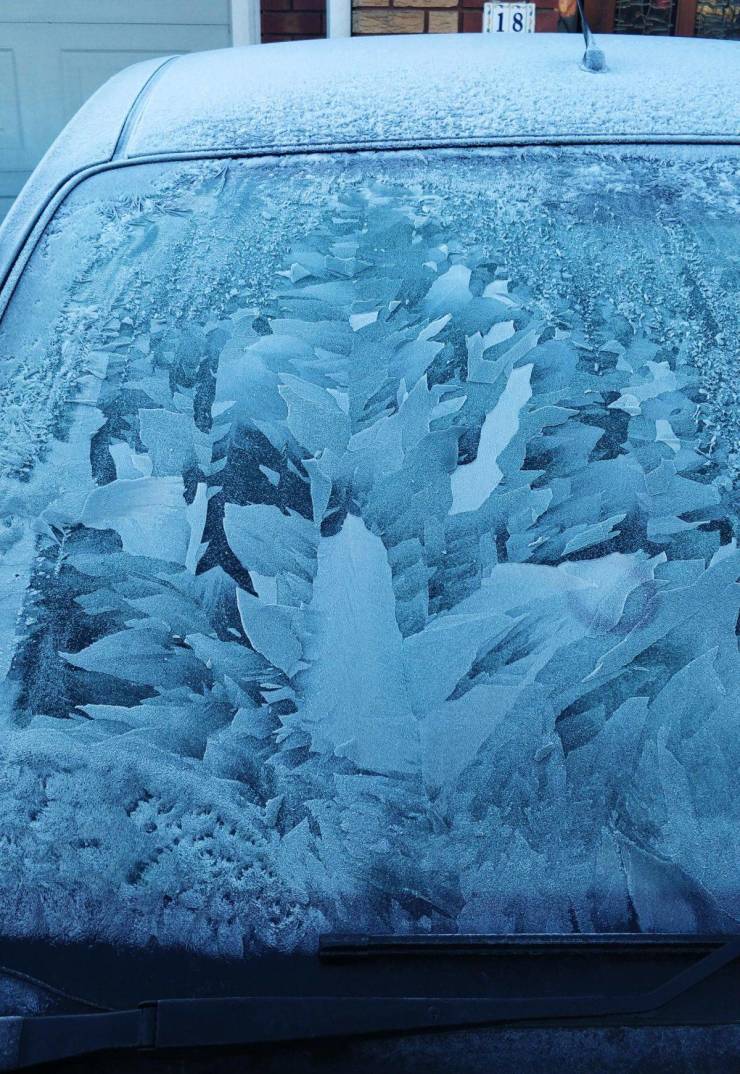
{"points": [[593, 58]]}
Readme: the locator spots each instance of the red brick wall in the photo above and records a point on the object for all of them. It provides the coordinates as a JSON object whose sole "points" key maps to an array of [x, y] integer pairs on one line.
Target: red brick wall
{"points": [[293, 20]]}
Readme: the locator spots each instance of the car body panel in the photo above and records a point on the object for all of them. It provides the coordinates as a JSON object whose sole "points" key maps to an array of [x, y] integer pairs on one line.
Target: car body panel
{"points": [[442, 91]]}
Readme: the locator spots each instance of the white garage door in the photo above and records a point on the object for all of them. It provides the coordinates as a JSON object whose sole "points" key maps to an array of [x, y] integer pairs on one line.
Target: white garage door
{"points": [[55, 53]]}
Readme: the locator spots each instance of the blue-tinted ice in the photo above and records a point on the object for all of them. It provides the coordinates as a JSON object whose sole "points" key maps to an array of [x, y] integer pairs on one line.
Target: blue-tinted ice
{"points": [[369, 552]]}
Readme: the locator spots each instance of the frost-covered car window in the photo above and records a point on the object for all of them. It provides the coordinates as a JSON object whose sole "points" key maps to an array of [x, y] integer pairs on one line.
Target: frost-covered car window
{"points": [[368, 551]]}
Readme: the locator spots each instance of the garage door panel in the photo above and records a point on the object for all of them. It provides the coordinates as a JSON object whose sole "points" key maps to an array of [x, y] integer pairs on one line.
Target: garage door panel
{"points": [[10, 116], [50, 65], [185, 12]]}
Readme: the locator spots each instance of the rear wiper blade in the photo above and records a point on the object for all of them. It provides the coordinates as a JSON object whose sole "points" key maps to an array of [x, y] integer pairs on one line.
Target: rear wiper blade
{"points": [[342, 947], [173, 1024]]}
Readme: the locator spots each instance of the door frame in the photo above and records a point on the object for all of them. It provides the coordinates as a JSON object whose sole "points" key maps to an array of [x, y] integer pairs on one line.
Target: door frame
{"points": [[246, 22]]}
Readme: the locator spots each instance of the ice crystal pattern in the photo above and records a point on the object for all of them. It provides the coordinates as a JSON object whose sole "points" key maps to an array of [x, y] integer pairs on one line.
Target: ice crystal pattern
{"points": [[377, 571]]}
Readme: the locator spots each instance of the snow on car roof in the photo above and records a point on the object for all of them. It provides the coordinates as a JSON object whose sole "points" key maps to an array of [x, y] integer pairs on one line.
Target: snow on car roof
{"points": [[430, 90], [404, 91]]}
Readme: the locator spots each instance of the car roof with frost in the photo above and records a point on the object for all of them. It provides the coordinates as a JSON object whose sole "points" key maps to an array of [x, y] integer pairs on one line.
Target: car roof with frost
{"points": [[428, 90]]}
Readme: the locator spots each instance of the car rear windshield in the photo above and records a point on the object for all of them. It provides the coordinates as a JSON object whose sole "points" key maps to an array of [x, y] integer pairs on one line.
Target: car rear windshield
{"points": [[368, 551]]}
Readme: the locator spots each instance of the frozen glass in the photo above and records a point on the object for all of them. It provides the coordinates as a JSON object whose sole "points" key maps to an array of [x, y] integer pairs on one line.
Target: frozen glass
{"points": [[718, 18], [645, 16], [368, 551]]}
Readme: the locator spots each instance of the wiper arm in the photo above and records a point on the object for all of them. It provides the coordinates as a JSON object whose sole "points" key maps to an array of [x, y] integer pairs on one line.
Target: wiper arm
{"points": [[251, 1020], [26, 1041]]}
